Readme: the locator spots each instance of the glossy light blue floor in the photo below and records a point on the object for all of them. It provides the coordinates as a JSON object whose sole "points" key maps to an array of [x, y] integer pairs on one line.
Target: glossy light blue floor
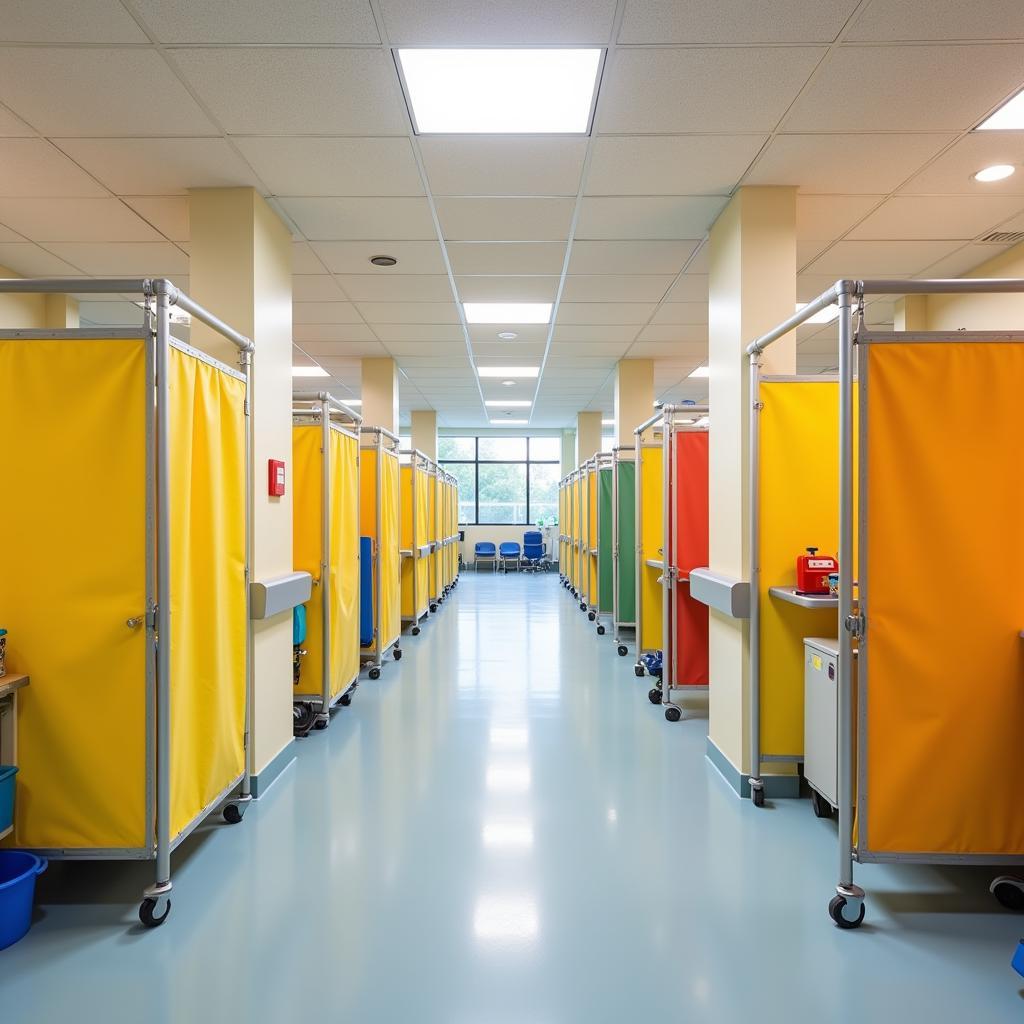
{"points": [[503, 829]]}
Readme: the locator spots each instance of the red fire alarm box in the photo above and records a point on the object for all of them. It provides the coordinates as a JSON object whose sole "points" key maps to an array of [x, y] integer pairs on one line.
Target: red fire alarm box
{"points": [[812, 572], [275, 476]]}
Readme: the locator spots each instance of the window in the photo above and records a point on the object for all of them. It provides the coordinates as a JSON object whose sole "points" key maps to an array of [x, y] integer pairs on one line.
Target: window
{"points": [[510, 481]]}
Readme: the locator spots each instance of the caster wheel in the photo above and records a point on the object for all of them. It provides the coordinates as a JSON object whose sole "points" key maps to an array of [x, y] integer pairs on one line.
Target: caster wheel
{"points": [[148, 915], [638, 671], [398, 654], [623, 650], [591, 616], [321, 724], [433, 607], [234, 813], [822, 808], [672, 714], [415, 630], [600, 630], [1009, 891], [303, 716], [838, 909], [375, 673], [757, 796], [346, 700], [583, 606], [654, 696]]}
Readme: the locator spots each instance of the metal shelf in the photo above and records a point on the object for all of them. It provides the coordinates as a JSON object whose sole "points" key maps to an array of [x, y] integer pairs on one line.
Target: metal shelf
{"points": [[791, 595]]}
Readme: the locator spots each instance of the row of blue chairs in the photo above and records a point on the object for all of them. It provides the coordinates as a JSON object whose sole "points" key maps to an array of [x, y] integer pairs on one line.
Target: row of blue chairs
{"points": [[531, 557]]}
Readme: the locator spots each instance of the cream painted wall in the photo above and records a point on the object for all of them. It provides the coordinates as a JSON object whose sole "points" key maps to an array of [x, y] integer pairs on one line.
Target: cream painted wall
{"points": [[588, 435], [424, 432], [979, 312], [380, 393], [752, 287], [240, 268], [634, 397], [22, 310]]}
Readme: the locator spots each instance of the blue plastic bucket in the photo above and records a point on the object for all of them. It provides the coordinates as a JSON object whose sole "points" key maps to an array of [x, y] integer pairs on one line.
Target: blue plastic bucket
{"points": [[18, 873], [7, 773]]}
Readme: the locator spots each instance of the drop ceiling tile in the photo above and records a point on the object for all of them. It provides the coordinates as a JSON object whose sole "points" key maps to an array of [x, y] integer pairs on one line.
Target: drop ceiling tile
{"points": [[316, 288], [75, 220], [469, 23], [851, 164], [523, 353], [896, 88], [890, 21], [260, 21], [303, 166], [418, 332], [691, 165], [13, 127], [574, 349], [701, 262], [734, 21], [879, 259], [322, 219], [952, 173], [745, 89], [616, 287], [168, 214], [808, 250], [30, 260], [505, 220], [304, 260], [525, 334], [409, 312], [95, 92], [630, 257], [661, 350], [587, 333], [396, 287], [33, 167], [829, 217], [325, 313], [681, 334], [500, 258], [917, 217], [271, 91], [964, 260], [496, 165], [689, 288], [436, 348], [357, 350], [681, 313], [414, 257], [124, 259], [647, 217], [323, 339], [69, 21], [507, 289], [7, 235], [605, 313]]}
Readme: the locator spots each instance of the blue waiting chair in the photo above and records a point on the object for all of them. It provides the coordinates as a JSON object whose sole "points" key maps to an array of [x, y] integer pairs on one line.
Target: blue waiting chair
{"points": [[486, 552], [509, 551], [535, 551]]}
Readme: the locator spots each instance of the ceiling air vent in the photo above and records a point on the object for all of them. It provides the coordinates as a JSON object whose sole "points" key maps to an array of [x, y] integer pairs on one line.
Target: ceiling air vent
{"points": [[1002, 238]]}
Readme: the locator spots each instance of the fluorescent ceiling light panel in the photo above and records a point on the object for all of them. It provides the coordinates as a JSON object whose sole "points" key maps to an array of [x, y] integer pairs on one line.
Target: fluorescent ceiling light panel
{"points": [[351, 401], [607, 423], [1009, 116], [997, 172], [497, 403], [509, 423], [508, 371], [701, 371], [823, 316], [499, 92], [309, 371], [507, 312]]}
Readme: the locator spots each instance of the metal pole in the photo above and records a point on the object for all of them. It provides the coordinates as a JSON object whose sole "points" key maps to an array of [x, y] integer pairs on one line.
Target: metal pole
{"points": [[754, 527], [246, 359], [379, 654], [668, 654], [615, 545], [325, 558], [638, 534]]}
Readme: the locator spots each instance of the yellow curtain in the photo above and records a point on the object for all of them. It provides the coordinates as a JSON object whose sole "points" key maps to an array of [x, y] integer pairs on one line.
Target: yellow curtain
{"points": [[344, 561], [422, 538], [208, 599], [307, 552], [73, 571], [652, 539], [408, 542]]}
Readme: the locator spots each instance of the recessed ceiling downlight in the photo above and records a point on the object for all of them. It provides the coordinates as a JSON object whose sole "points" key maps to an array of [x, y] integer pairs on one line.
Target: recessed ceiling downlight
{"points": [[383, 261], [507, 335], [997, 172]]}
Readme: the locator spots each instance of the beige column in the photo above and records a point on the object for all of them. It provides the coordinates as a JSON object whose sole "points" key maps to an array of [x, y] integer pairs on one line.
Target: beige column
{"points": [[380, 394], [588, 435], [911, 313], [34, 311], [60, 311], [424, 431], [752, 288], [634, 397], [241, 270], [568, 451]]}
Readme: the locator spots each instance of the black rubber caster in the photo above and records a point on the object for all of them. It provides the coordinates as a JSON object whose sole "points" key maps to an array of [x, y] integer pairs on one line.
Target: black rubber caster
{"points": [[375, 673], [654, 696], [591, 616], [1009, 892], [233, 813], [583, 606], [623, 650], [321, 723], [600, 630], [638, 671], [433, 607], [672, 714], [757, 796], [303, 715], [822, 808], [398, 654], [415, 630], [838, 909], [148, 915], [345, 700]]}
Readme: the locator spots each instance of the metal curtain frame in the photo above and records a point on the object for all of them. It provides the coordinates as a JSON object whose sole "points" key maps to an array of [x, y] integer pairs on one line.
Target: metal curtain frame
{"points": [[159, 294], [639, 567], [671, 579], [602, 463], [590, 551], [416, 466], [383, 443], [847, 906], [323, 406], [618, 624]]}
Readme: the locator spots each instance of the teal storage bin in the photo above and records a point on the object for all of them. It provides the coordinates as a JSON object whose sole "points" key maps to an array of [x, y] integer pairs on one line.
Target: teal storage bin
{"points": [[7, 773]]}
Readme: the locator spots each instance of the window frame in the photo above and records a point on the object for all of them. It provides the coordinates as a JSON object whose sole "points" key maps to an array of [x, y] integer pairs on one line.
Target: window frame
{"points": [[476, 462]]}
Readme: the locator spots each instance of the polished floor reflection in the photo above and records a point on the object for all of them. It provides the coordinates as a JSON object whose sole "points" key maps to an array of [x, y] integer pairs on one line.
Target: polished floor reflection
{"points": [[502, 830]]}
